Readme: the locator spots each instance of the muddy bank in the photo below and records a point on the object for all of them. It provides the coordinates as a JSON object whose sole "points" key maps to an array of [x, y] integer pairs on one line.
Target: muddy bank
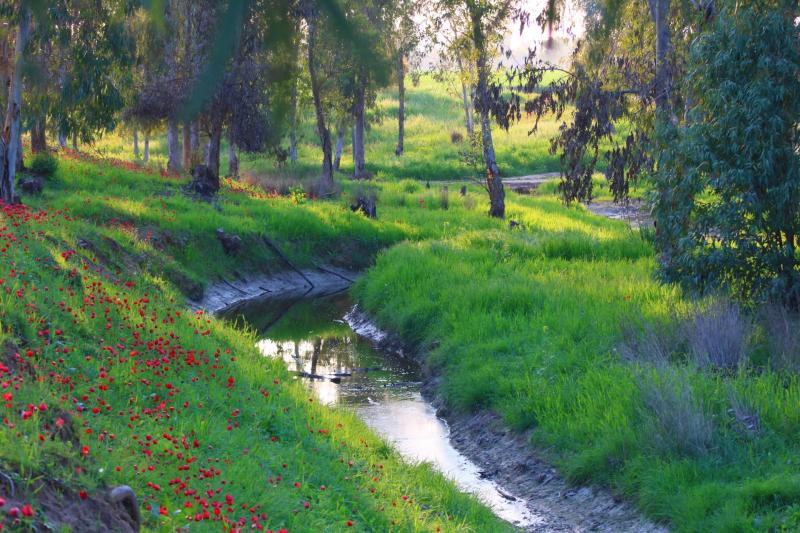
{"points": [[633, 212], [226, 295], [506, 458]]}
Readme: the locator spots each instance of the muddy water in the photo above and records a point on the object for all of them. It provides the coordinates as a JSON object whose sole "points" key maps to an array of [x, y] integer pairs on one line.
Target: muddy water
{"points": [[315, 342]]}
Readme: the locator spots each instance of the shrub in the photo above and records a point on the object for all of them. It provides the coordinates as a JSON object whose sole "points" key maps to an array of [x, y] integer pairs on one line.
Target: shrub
{"points": [[728, 202], [43, 164], [645, 343], [718, 336], [783, 333], [679, 420], [456, 137]]}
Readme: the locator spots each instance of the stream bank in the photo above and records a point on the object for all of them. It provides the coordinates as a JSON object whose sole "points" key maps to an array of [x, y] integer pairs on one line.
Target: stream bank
{"points": [[477, 451]]}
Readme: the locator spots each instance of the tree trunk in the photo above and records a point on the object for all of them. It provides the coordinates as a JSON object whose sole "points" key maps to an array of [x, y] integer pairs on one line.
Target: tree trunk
{"points": [[136, 143], [469, 122], [194, 140], [146, 156], [659, 11], [494, 184], [11, 134], [38, 136], [337, 156], [214, 144], [401, 104], [62, 140], [173, 147], [359, 162], [293, 131], [233, 161], [75, 141], [322, 129], [187, 145]]}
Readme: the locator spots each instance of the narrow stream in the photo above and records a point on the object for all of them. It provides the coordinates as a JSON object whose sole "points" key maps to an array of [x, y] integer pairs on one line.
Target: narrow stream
{"points": [[313, 339]]}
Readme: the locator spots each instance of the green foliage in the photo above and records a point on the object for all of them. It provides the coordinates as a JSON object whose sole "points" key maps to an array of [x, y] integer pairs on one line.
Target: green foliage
{"points": [[728, 203], [43, 164]]}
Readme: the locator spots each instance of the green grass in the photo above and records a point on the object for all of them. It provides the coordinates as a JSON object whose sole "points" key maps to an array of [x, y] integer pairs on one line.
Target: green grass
{"points": [[527, 324], [159, 394]]}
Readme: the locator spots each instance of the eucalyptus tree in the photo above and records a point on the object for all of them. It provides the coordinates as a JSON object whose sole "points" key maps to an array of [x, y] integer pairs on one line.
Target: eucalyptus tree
{"points": [[408, 38], [485, 18]]}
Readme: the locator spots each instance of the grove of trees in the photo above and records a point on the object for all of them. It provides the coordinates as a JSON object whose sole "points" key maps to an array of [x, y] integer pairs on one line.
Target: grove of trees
{"points": [[696, 99]]}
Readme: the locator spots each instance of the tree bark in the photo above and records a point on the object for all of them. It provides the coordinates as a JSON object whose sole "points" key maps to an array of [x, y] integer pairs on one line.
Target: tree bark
{"points": [[659, 11], [38, 136], [62, 139], [494, 184], [173, 147], [337, 156], [293, 131], [136, 143], [214, 143], [187, 145], [359, 159], [316, 90], [401, 104], [194, 140], [10, 145], [146, 156], [233, 161]]}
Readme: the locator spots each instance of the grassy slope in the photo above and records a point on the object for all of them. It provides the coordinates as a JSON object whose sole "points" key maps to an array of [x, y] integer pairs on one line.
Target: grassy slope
{"points": [[526, 323], [177, 404]]}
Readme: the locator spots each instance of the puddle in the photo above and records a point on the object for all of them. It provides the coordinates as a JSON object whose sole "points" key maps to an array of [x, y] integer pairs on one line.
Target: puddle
{"points": [[315, 342]]}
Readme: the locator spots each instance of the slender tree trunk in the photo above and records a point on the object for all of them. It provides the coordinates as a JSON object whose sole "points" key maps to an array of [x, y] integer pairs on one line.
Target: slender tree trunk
{"points": [[337, 156], [10, 142], [659, 11], [146, 156], [173, 147], [233, 161], [322, 129], [469, 122], [401, 104], [187, 145], [194, 140], [293, 131], [136, 143], [293, 110], [359, 159], [494, 184], [214, 144], [62, 140], [39, 136], [75, 141]]}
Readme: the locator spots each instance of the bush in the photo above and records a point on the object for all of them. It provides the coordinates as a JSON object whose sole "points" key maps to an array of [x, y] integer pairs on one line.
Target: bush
{"points": [[728, 202], [718, 336], [43, 164], [783, 333], [456, 137], [680, 420]]}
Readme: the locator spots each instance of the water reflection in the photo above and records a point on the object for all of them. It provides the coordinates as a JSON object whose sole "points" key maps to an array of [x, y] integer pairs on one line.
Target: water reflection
{"points": [[344, 369]]}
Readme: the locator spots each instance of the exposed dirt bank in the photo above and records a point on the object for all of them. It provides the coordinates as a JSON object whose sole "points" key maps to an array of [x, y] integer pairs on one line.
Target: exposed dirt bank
{"points": [[226, 295], [508, 459]]}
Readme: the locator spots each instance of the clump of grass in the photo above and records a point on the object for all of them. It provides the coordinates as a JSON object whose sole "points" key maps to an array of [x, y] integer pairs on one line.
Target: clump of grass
{"points": [[287, 186], [43, 164], [456, 137], [783, 333], [744, 413], [718, 336], [644, 342], [444, 198], [678, 420]]}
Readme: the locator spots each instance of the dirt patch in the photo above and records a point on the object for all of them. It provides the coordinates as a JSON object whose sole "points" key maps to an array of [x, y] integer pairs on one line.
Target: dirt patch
{"points": [[633, 211], [507, 458], [57, 507]]}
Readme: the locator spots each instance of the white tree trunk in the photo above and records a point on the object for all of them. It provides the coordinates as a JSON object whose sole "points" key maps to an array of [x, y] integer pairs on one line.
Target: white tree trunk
{"points": [[12, 124], [146, 156], [135, 143]]}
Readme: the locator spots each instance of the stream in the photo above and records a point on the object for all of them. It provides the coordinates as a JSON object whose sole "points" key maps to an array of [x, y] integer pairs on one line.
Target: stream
{"points": [[314, 340]]}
